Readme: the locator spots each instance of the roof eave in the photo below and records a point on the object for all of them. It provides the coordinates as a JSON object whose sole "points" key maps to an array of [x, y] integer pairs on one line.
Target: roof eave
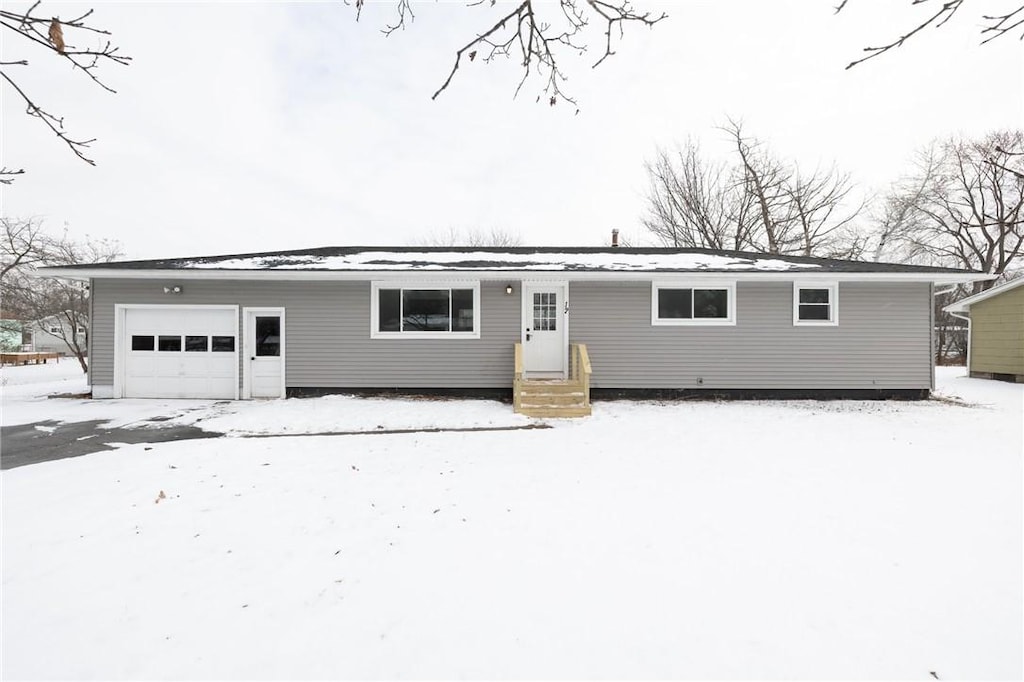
{"points": [[964, 304], [938, 278]]}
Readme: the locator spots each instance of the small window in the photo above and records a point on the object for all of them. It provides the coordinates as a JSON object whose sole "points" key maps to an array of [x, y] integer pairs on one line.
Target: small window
{"points": [[268, 336], [693, 305], [143, 342], [196, 344], [816, 304], [223, 344], [169, 343], [420, 312], [55, 329]]}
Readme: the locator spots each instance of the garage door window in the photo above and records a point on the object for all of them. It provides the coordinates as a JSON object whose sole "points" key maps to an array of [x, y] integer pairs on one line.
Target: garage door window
{"points": [[143, 342], [197, 344], [169, 343], [223, 344]]}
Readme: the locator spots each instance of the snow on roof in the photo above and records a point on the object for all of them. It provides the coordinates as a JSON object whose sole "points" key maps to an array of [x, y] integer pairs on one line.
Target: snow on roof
{"points": [[496, 260], [600, 261]]}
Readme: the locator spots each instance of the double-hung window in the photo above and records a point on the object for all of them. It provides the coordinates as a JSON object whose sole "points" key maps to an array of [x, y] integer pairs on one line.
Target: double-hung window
{"points": [[425, 311], [693, 303], [816, 304]]}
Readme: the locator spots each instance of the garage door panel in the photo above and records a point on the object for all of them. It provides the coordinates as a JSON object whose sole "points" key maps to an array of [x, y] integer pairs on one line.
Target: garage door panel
{"points": [[170, 353]]}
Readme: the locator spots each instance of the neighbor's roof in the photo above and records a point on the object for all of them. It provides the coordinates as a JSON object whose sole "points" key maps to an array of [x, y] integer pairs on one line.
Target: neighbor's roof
{"points": [[502, 260], [963, 304]]}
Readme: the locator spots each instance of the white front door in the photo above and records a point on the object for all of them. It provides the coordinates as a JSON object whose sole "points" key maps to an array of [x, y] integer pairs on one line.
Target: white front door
{"points": [[264, 353], [545, 317]]}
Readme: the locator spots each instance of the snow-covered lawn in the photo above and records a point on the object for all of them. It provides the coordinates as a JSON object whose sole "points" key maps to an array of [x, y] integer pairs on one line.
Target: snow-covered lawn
{"points": [[688, 540]]}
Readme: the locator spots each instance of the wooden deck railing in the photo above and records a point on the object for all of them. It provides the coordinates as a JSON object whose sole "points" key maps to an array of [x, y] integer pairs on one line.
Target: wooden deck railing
{"points": [[580, 370], [517, 379]]}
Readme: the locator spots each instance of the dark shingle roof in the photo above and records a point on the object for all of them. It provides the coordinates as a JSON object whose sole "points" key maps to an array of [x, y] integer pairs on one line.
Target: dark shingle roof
{"points": [[552, 259]]}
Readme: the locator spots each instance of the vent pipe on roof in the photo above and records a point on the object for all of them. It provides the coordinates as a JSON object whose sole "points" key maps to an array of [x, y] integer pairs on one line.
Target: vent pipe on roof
{"points": [[615, 238]]}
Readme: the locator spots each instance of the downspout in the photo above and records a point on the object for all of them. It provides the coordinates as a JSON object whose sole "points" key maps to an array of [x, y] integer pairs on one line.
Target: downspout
{"points": [[933, 322], [88, 332]]}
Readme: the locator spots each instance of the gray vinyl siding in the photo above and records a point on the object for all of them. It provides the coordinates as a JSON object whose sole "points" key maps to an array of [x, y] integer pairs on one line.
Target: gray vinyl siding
{"points": [[882, 340], [327, 334]]}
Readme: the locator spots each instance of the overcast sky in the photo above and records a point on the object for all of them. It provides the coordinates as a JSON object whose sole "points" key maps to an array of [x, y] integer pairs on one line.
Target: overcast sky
{"points": [[247, 127]]}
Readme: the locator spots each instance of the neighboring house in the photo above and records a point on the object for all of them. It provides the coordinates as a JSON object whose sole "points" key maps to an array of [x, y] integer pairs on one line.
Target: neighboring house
{"points": [[995, 347], [48, 336], [670, 321]]}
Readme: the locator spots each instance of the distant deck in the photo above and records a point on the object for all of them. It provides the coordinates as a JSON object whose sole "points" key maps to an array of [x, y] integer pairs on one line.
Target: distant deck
{"points": [[27, 358]]}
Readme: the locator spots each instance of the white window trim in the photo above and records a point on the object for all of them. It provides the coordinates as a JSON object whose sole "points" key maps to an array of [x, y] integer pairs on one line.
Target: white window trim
{"points": [[375, 288], [729, 320], [833, 304]]}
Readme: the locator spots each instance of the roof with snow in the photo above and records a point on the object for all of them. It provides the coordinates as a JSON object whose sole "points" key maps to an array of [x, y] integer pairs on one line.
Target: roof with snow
{"points": [[522, 259]]}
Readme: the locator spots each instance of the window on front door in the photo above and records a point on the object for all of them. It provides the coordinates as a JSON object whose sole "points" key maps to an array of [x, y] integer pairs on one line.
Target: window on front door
{"points": [[545, 311]]}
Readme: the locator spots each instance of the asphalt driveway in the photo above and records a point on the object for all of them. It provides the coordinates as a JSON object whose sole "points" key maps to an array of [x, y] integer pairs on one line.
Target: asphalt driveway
{"points": [[46, 441]]}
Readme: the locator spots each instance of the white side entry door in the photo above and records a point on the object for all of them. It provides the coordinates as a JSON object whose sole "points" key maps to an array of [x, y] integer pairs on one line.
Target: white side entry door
{"points": [[264, 353]]}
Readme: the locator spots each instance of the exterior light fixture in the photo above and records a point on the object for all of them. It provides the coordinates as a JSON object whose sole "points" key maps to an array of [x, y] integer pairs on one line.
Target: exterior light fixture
{"points": [[508, 289], [172, 290]]}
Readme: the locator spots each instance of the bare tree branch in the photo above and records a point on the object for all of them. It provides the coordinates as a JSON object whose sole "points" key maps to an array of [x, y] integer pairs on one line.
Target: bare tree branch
{"points": [[998, 25], [6, 174], [945, 12], [52, 33], [537, 35], [1003, 24]]}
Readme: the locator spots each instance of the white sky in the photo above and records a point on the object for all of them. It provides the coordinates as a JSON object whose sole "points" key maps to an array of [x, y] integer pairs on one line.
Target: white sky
{"points": [[262, 126]]}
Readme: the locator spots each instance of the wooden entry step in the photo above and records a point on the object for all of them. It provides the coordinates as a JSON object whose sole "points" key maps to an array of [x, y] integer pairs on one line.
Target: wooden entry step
{"points": [[554, 397]]}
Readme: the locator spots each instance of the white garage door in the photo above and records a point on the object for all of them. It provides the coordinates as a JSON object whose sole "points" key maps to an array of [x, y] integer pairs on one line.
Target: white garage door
{"points": [[173, 352]]}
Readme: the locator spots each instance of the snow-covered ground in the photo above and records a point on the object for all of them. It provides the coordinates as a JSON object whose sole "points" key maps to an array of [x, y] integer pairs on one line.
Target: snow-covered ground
{"points": [[686, 540]]}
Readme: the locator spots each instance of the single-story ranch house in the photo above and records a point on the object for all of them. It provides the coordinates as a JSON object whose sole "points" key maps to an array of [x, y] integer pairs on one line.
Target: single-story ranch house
{"points": [[995, 341], [623, 320]]}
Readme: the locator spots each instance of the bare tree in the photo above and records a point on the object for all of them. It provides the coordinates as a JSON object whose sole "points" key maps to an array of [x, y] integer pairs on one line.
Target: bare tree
{"points": [[690, 201], [537, 35], [967, 205], [821, 209], [995, 25], [766, 181], [495, 237], [756, 203], [27, 298], [55, 35], [25, 244]]}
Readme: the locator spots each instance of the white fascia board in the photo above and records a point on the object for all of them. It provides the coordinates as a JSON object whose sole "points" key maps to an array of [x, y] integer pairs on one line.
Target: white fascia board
{"points": [[511, 275], [964, 304]]}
